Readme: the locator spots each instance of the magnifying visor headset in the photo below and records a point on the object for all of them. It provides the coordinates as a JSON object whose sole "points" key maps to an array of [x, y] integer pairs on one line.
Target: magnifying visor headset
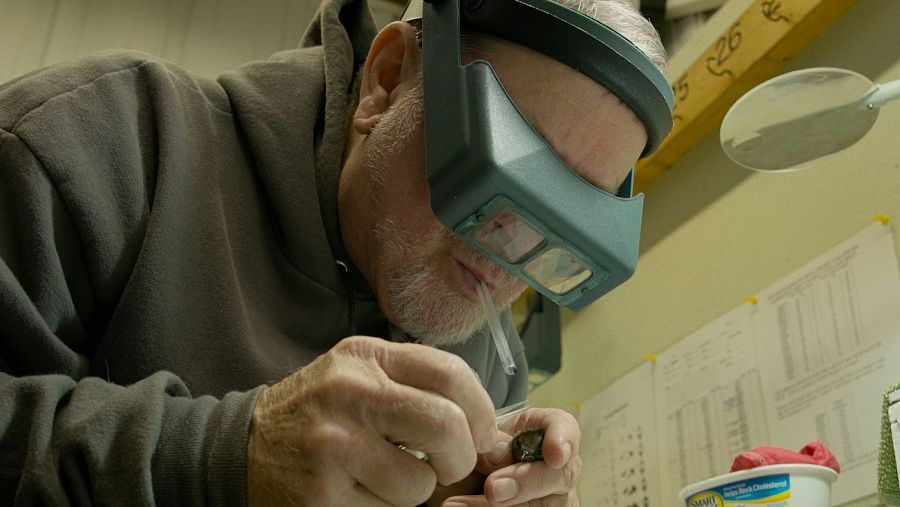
{"points": [[496, 183]]}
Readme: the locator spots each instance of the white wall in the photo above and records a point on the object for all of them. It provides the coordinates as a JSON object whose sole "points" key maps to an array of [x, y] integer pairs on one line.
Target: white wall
{"points": [[714, 233], [204, 36]]}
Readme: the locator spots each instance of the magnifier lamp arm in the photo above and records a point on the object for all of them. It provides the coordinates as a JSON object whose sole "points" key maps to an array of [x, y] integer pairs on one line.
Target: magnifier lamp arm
{"points": [[882, 94]]}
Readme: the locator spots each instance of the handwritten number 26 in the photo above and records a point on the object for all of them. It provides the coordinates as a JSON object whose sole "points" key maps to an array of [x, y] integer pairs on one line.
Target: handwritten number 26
{"points": [[726, 45]]}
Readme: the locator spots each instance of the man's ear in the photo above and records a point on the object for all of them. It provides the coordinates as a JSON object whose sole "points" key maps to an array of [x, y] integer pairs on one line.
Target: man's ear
{"points": [[391, 69]]}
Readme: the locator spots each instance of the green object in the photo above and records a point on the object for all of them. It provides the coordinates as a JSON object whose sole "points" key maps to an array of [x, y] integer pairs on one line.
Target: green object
{"points": [[888, 483], [493, 179]]}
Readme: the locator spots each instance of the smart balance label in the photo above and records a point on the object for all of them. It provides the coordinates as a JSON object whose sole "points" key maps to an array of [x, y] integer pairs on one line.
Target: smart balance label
{"points": [[769, 490]]}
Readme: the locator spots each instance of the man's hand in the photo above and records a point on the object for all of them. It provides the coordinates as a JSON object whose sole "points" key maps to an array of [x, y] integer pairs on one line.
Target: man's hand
{"points": [[326, 435], [547, 483]]}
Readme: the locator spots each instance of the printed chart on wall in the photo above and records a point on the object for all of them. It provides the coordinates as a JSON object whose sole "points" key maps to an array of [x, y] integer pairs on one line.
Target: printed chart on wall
{"points": [[620, 444], [710, 404], [828, 344], [808, 361]]}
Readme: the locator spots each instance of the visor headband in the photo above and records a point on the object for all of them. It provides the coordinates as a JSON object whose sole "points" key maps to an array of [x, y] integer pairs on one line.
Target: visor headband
{"points": [[613, 61]]}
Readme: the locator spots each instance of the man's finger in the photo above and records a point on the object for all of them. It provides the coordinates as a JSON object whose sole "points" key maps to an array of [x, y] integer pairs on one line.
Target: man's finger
{"points": [[499, 457], [361, 497], [570, 500], [524, 482], [440, 372], [407, 481], [426, 422], [469, 501]]}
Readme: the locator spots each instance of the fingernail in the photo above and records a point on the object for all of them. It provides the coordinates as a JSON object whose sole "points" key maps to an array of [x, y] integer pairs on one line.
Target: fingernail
{"points": [[505, 489], [567, 452], [499, 451]]}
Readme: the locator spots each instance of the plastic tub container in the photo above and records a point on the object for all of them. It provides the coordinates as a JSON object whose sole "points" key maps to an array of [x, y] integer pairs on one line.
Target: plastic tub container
{"points": [[773, 486]]}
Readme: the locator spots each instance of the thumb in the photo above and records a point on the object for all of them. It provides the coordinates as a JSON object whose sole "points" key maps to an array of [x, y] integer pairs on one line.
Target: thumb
{"points": [[498, 457]]}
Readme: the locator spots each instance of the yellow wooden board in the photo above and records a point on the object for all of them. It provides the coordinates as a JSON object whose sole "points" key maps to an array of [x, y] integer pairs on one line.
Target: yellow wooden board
{"points": [[754, 48]]}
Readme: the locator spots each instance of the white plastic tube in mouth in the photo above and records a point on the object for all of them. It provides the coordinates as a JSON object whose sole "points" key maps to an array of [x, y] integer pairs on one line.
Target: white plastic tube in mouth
{"points": [[493, 320]]}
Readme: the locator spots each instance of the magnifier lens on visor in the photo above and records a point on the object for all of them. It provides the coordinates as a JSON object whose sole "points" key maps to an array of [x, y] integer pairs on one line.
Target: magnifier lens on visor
{"points": [[558, 270], [510, 237]]}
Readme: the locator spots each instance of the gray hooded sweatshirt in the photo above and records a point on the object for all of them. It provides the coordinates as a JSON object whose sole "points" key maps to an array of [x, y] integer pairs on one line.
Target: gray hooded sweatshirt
{"points": [[168, 247]]}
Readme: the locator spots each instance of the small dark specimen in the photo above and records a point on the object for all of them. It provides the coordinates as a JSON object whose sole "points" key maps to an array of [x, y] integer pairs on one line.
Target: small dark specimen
{"points": [[526, 445]]}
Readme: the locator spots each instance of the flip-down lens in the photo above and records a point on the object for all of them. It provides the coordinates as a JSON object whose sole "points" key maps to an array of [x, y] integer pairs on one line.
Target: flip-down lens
{"points": [[558, 270], [510, 237]]}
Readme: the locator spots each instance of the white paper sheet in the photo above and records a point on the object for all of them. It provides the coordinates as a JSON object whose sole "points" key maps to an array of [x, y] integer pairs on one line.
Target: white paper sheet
{"points": [[828, 344], [619, 444], [808, 361], [709, 402]]}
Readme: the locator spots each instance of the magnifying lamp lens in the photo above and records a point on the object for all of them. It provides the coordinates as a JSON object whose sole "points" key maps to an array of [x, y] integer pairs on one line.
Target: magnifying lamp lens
{"points": [[558, 270], [510, 237], [797, 118]]}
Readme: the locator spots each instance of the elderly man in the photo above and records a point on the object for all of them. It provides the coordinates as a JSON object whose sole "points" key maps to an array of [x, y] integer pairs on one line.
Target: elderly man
{"points": [[238, 291]]}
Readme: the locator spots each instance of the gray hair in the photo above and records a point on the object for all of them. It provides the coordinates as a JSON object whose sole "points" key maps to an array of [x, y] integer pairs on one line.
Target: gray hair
{"points": [[624, 18], [619, 15]]}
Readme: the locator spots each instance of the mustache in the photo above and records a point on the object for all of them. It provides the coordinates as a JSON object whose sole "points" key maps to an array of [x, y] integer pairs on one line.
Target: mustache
{"points": [[506, 285], [505, 282]]}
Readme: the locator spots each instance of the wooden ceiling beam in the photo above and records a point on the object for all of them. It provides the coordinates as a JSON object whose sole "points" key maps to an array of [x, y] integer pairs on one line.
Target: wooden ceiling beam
{"points": [[751, 50]]}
